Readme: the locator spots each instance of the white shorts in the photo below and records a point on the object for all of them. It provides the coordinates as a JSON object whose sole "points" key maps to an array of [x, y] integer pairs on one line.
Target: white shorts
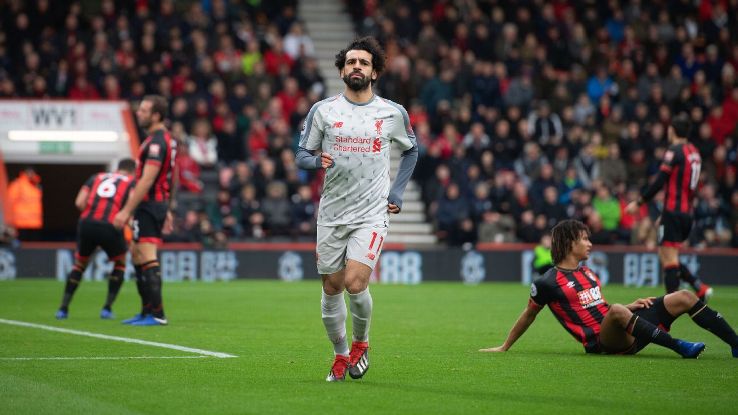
{"points": [[336, 244]]}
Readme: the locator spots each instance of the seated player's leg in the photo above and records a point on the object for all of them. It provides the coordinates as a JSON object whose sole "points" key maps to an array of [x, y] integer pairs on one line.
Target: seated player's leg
{"points": [[613, 336], [115, 247], [331, 257], [85, 247], [621, 327], [684, 301], [364, 248]]}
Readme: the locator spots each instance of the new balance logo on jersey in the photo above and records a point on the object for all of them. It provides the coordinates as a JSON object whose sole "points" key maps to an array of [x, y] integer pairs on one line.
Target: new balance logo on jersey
{"points": [[371, 256], [338, 124]]}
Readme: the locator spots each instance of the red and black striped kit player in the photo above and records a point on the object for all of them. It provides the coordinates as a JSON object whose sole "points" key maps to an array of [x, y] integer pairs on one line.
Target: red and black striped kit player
{"points": [[574, 294], [679, 176], [150, 206], [100, 199]]}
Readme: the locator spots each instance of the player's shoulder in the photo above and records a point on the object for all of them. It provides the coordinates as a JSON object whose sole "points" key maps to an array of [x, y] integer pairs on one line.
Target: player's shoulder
{"points": [[546, 282], [674, 152], [549, 277], [330, 100], [391, 104]]}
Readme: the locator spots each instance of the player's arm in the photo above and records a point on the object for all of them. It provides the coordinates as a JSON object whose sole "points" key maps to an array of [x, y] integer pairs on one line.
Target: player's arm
{"points": [[143, 185], [169, 221], [405, 137], [311, 139], [519, 328], [81, 200], [650, 191], [308, 161], [84, 192]]}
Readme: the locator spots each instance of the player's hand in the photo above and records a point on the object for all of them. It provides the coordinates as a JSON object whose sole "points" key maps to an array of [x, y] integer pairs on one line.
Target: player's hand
{"points": [[326, 161], [642, 303], [497, 349], [120, 219], [168, 224], [393, 208], [632, 207]]}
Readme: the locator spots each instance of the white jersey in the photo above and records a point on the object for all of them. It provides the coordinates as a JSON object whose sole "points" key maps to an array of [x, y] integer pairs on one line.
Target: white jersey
{"points": [[358, 136]]}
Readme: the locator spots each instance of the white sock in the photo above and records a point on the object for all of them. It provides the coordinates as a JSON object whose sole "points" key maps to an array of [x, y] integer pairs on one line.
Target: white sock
{"points": [[333, 308], [361, 314]]}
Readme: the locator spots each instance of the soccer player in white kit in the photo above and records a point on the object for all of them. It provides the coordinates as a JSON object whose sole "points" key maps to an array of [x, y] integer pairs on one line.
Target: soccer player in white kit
{"points": [[350, 135]]}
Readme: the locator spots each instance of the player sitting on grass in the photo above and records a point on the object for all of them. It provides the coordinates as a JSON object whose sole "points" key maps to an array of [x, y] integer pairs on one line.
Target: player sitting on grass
{"points": [[573, 293]]}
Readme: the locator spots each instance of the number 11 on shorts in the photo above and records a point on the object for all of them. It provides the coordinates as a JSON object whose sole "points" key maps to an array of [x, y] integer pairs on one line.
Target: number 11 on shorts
{"points": [[371, 255]]}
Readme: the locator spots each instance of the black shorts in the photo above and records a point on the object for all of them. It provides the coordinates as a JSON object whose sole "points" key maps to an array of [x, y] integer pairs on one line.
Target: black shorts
{"points": [[674, 228], [656, 315], [92, 233], [148, 222]]}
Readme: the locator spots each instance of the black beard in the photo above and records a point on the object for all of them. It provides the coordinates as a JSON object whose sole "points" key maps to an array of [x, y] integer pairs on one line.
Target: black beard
{"points": [[356, 84]]}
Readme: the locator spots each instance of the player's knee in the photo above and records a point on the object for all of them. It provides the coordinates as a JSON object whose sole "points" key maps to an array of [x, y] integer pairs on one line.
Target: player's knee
{"points": [[331, 287], [356, 286], [685, 298], [619, 313]]}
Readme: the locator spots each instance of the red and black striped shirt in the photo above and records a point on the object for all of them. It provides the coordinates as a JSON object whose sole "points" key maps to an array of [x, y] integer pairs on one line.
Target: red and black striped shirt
{"points": [[679, 175], [108, 192], [682, 163], [159, 149], [575, 299]]}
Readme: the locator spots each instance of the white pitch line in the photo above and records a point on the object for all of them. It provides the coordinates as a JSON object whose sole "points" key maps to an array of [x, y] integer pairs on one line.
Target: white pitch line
{"points": [[117, 338], [104, 358]]}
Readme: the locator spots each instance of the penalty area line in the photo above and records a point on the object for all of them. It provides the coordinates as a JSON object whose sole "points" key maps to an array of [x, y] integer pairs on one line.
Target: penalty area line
{"points": [[118, 338]]}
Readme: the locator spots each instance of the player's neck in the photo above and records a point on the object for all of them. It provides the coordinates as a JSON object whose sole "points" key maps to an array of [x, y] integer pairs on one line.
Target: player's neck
{"points": [[359, 97], [156, 127], [568, 263]]}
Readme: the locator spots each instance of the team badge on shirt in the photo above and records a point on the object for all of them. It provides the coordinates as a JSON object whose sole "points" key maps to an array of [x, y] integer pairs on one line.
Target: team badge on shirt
{"points": [[154, 150]]}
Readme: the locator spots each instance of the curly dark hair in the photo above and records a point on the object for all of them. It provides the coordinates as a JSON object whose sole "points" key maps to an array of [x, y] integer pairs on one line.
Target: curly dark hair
{"points": [[563, 235], [368, 44]]}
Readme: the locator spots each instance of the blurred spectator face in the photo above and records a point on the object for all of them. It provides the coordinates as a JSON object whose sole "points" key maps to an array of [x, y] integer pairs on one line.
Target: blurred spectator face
{"points": [[452, 191], [527, 217], [442, 173], [191, 219], [243, 171], [546, 172], [551, 195], [267, 168], [603, 193], [201, 129], [305, 193], [488, 159], [224, 176], [614, 151], [481, 191], [223, 197], [248, 192], [541, 221], [720, 154], [502, 129]]}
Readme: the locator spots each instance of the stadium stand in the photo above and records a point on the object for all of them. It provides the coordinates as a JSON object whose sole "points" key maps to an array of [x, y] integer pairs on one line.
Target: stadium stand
{"points": [[527, 112]]}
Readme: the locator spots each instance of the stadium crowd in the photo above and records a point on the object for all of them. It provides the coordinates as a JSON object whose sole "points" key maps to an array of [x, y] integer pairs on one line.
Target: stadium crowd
{"points": [[526, 112]]}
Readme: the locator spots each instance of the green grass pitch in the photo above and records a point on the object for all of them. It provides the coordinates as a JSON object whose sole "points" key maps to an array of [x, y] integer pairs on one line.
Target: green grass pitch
{"points": [[424, 358]]}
